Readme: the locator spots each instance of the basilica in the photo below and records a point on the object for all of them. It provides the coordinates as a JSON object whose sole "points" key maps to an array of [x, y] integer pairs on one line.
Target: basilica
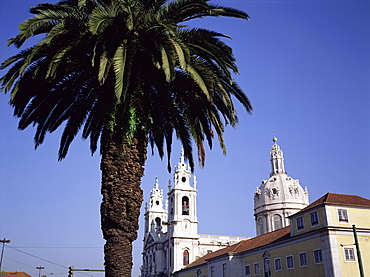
{"points": [[171, 239], [329, 237]]}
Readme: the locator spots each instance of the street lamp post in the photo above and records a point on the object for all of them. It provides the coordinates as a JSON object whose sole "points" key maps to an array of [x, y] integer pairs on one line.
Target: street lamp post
{"points": [[169, 224], [361, 268], [40, 268], [2, 251]]}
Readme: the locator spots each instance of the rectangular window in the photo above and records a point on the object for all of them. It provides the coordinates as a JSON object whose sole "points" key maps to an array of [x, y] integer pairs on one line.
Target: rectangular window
{"points": [[303, 261], [278, 264], [317, 256], [349, 254], [289, 262], [256, 269], [314, 218], [224, 270], [300, 225], [247, 270], [213, 271], [343, 216]]}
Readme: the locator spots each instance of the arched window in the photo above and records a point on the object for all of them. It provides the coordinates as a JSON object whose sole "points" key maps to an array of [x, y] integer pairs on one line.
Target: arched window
{"points": [[186, 257], [266, 267], [277, 222], [261, 228], [185, 205], [158, 225]]}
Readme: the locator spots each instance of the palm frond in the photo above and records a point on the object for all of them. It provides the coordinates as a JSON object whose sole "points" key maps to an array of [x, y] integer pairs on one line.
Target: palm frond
{"points": [[199, 78], [104, 67], [119, 64], [101, 18], [56, 61], [128, 65], [217, 10]]}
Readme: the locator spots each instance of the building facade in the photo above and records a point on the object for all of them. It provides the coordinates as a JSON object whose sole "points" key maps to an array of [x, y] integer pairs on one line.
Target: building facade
{"points": [[171, 239], [319, 242], [293, 238]]}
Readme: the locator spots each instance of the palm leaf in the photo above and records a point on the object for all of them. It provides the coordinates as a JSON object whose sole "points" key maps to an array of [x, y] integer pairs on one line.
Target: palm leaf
{"points": [[119, 64], [100, 19], [198, 78]]}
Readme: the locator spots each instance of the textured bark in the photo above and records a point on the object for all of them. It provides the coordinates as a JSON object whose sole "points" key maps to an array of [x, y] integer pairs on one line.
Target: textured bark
{"points": [[122, 167]]}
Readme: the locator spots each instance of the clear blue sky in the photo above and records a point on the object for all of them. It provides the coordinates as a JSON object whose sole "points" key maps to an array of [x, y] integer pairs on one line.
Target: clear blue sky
{"points": [[305, 66]]}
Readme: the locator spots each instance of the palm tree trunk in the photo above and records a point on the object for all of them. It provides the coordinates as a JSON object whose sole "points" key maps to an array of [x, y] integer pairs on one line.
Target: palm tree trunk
{"points": [[122, 167]]}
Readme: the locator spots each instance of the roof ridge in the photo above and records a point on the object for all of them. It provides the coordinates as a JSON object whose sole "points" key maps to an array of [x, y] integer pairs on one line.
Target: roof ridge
{"points": [[239, 244], [245, 245], [339, 199]]}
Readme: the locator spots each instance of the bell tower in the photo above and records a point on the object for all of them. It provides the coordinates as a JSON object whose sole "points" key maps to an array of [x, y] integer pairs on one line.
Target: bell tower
{"points": [[182, 217], [171, 239], [155, 214], [277, 197], [154, 253]]}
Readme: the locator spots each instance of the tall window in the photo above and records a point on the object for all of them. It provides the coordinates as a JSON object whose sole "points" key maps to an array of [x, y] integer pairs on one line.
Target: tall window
{"points": [[213, 271], [224, 273], [349, 254], [277, 222], [256, 268], [158, 225], [300, 225], [314, 218], [317, 256], [186, 257], [303, 261], [289, 262], [343, 216], [278, 264], [247, 270], [185, 205], [260, 226]]}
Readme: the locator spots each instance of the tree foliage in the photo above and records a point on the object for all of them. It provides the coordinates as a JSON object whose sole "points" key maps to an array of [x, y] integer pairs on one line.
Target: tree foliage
{"points": [[127, 64]]}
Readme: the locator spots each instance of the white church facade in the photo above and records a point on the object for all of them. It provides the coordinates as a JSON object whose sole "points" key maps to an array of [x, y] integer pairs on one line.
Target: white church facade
{"points": [[171, 239]]}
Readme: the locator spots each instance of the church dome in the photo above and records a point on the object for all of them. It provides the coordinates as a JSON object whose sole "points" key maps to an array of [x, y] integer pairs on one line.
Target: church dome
{"points": [[277, 197], [280, 188]]}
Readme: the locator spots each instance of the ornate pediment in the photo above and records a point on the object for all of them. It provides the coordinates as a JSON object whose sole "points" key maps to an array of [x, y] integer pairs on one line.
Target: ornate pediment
{"points": [[266, 255], [154, 238]]}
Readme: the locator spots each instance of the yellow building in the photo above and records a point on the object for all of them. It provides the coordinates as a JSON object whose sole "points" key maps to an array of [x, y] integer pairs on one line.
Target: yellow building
{"points": [[320, 241]]}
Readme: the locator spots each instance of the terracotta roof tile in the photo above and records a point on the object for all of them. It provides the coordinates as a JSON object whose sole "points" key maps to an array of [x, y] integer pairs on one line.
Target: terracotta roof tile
{"points": [[245, 245], [210, 255], [262, 240], [15, 274], [284, 233], [339, 199]]}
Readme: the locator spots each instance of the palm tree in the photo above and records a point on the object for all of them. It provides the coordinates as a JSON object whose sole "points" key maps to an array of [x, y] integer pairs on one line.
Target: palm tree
{"points": [[125, 73]]}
